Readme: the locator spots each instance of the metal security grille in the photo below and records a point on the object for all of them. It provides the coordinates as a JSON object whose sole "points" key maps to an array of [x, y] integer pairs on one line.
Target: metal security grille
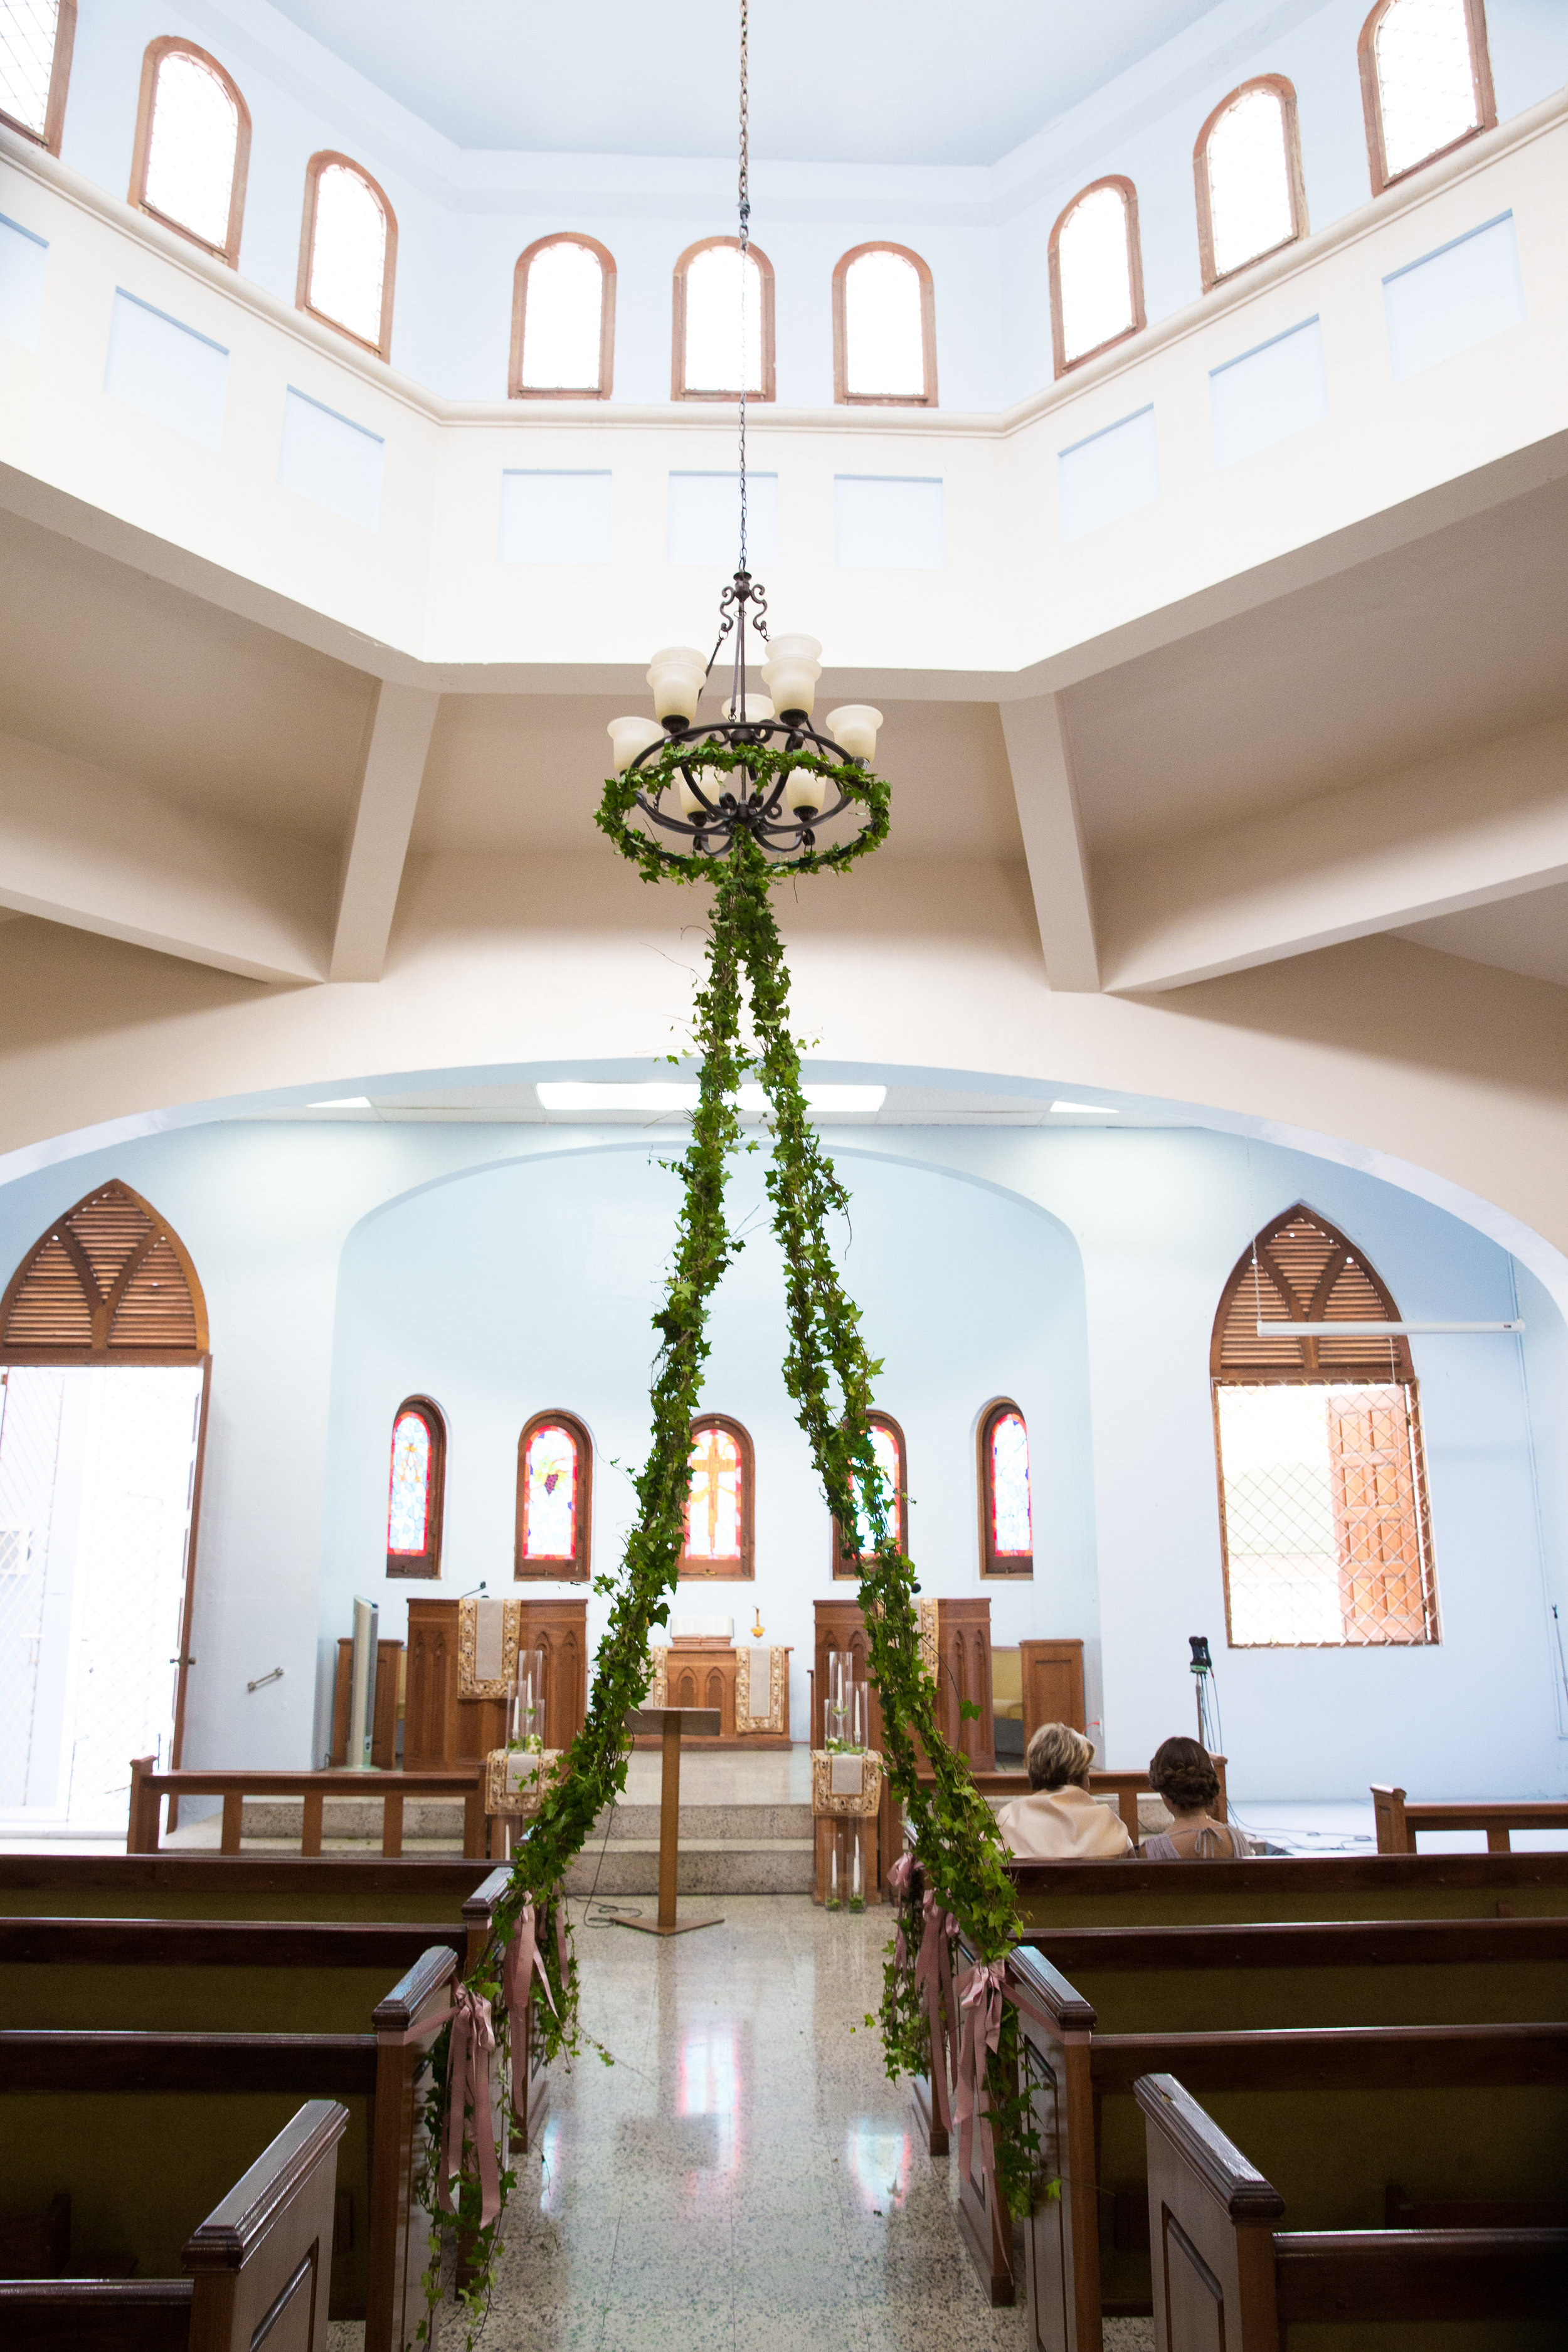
{"points": [[1326, 1529]]}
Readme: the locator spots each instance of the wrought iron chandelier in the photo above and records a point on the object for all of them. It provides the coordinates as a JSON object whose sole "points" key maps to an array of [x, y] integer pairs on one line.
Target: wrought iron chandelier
{"points": [[761, 770]]}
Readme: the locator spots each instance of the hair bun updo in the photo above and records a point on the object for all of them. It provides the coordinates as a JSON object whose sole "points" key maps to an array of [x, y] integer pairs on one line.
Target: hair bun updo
{"points": [[1183, 1773]]}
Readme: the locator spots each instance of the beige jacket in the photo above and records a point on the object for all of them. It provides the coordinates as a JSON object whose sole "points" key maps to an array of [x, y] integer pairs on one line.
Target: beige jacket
{"points": [[1062, 1825]]}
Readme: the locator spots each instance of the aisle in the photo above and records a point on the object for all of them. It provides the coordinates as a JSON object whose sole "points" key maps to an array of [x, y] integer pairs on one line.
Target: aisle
{"points": [[745, 2176]]}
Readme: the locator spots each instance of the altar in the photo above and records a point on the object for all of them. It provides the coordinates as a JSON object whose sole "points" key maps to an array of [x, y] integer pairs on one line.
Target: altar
{"points": [[702, 1666]]}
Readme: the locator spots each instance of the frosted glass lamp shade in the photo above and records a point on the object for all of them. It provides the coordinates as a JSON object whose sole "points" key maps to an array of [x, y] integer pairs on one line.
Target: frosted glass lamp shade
{"points": [[791, 672], [758, 707], [713, 781], [676, 676], [803, 793], [854, 729], [629, 737]]}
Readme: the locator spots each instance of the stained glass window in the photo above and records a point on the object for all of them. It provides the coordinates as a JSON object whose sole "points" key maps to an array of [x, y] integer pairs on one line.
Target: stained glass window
{"points": [[719, 1501], [1095, 272], [549, 1494], [1427, 85], [193, 147], [349, 253], [1007, 1526], [887, 1445], [413, 1494], [1245, 165]]}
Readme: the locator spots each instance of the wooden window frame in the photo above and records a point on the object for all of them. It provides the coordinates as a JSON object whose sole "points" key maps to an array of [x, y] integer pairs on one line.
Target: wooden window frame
{"points": [[423, 1566], [1024, 1569], [166, 46], [1064, 366], [576, 1569], [677, 387], [744, 1571], [516, 388], [1286, 94], [1372, 94], [382, 348], [60, 81], [846, 1565], [842, 395]]}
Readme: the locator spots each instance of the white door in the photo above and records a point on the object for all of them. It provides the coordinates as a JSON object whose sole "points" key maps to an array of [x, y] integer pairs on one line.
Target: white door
{"points": [[97, 1477]]}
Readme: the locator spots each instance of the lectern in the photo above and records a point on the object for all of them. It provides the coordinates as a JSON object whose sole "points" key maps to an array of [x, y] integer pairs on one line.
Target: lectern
{"points": [[702, 1722]]}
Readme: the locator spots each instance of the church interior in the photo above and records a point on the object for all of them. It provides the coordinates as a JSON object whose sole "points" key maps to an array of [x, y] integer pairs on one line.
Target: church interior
{"points": [[782, 1484]]}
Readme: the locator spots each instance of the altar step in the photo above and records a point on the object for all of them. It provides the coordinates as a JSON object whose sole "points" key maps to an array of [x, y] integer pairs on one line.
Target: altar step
{"points": [[724, 1850]]}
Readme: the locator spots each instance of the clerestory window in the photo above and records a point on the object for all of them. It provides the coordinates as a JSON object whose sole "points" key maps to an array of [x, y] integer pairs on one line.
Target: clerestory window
{"points": [[1096, 272], [193, 146]]}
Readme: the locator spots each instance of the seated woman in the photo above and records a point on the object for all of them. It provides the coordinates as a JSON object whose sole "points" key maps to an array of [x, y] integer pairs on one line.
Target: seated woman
{"points": [[1060, 1821], [1181, 1772]]}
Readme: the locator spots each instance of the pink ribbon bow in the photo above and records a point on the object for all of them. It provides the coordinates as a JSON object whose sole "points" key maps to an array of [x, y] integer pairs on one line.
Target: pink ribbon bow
{"points": [[469, 2056], [934, 1976], [523, 1962], [980, 2001], [899, 1880]]}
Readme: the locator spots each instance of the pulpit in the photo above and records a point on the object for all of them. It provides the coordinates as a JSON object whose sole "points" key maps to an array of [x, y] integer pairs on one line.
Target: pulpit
{"points": [[462, 1663]]}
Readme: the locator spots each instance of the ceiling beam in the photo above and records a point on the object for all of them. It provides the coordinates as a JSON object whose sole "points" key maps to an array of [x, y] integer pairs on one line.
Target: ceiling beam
{"points": [[1465, 831], [392, 770], [1039, 753], [97, 850]]}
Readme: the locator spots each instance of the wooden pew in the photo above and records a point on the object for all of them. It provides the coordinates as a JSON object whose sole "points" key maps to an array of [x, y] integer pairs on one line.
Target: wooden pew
{"points": [[149, 1787], [252, 2268], [65, 2093], [1399, 1822], [247, 1886], [1224, 2274], [1289, 1886], [1126, 1787], [1076, 2070]]}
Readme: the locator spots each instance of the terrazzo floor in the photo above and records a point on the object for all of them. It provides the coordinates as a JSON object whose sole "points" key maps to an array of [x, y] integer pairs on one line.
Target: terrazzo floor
{"points": [[744, 2178]]}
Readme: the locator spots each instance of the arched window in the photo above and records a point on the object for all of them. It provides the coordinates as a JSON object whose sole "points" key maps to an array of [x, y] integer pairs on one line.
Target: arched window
{"points": [[35, 38], [888, 1442], [563, 320], [555, 1496], [1097, 272], [712, 288], [884, 327], [1426, 82], [1247, 167], [416, 1489], [348, 251], [1006, 1511], [193, 146], [1323, 1516], [718, 1508]]}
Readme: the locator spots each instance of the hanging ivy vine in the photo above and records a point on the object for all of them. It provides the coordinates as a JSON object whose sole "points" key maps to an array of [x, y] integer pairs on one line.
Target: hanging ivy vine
{"points": [[829, 1374]]}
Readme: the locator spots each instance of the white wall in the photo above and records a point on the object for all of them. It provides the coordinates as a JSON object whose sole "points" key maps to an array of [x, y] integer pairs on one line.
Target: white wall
{"points": [[465, 217], [503, 1270]]}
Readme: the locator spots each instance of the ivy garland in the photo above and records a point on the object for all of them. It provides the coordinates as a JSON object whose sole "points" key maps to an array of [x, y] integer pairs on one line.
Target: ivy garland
{"points": [[830, 1375]]}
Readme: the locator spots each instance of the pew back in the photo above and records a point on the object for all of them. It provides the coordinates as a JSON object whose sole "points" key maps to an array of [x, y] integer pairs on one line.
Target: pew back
{"points": [[237, 1887], [1289, 1886]]}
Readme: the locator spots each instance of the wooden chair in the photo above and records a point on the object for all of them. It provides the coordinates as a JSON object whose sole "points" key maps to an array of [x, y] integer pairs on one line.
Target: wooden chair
{"points": [[1225, 2274], [254, 2267]]}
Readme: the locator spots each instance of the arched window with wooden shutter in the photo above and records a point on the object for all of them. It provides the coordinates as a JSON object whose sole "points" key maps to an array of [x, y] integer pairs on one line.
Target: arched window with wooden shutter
{"points": [[1324, 1518], [110, 1283]]}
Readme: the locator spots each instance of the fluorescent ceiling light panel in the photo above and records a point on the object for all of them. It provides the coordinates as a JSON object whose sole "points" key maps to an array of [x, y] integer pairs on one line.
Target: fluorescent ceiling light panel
{"points": [[658, 1093], [343, 1102], [1101, 1110]]}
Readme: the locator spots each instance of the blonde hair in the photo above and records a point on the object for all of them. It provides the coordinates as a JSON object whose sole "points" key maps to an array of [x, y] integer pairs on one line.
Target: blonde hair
{"points": [[1058, 1756]]}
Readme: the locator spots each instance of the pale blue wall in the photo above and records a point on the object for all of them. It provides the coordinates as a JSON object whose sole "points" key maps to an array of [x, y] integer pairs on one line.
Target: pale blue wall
{"points": [[464, 220], [504, 1269]]}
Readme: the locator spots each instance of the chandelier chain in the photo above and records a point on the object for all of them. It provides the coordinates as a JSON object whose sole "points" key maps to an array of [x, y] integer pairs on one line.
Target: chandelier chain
{"points": [[744, 208]]}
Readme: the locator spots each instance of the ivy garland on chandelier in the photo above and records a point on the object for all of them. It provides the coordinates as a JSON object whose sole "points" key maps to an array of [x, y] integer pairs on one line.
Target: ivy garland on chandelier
{"points": [[739, 804]]}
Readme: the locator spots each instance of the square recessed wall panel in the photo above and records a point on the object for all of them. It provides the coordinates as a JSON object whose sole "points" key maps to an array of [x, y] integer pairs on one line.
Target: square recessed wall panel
{"points": [[166, 370], [705, 520], [1111, 474], [889, 522], [24, 261], [1463, 294], [330, 460], [1267, 394], [560, 517]]}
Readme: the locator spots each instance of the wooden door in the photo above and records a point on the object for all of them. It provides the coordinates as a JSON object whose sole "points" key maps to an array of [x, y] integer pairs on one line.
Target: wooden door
{"points": [[1377, 1517], [1053, 1684]]}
